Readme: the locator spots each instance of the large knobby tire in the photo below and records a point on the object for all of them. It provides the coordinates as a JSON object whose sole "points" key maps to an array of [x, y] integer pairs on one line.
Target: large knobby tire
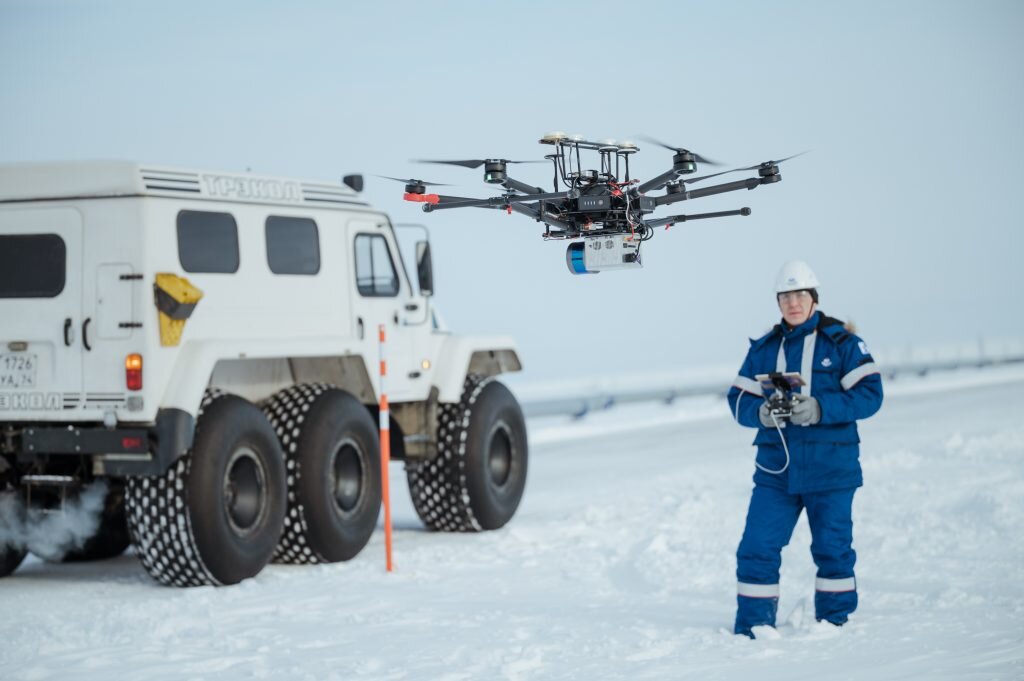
{"points": [[332, 456], [111, 538], [216, 515], [477, 479]]}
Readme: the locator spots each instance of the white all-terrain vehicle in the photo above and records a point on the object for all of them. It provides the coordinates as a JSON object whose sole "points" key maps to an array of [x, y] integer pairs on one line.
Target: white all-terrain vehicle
{"points": [[206, 345]]}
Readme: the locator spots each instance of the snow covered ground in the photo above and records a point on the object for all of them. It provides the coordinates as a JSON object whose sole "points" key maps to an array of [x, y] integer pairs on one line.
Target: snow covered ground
{"points": [[619, 564]]}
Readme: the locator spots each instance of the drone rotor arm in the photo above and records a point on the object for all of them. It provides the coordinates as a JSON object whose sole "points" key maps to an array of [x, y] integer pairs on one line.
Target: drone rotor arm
{"points": [[515, 185], [433, 198], [749, 183], [494, 201], [658, 182], [673, 219], [549, 196], [453, 199], [458, 202]]}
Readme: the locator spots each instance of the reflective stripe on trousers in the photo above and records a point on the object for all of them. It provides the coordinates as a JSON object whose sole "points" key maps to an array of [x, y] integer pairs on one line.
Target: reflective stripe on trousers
{"points": [[757, 590], [835, 585]]}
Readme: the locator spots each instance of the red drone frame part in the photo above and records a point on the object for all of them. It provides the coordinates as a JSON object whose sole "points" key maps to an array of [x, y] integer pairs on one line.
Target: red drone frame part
{"points": [[422, 198]]}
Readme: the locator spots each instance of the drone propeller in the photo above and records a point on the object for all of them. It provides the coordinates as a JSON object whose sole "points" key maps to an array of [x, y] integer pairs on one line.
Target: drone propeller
{"points": [[691, 180], [416, 190], [414, 181], [697, 157], [771, 163], [471, 163]]}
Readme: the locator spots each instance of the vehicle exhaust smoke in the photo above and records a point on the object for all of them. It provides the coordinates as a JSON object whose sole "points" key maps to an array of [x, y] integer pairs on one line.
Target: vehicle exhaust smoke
{"points": [[51, 533]]}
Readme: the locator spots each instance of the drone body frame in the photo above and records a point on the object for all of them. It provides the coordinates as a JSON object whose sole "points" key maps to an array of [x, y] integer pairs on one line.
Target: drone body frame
{"points": [[594, 205]]}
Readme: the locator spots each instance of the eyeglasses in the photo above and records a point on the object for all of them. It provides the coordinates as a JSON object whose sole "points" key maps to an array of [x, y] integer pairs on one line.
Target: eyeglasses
{"points": [[797, 296]]}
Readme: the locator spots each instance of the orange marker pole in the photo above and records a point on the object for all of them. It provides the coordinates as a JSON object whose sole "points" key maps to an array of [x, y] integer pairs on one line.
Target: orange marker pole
{"points": [[385, 448]]}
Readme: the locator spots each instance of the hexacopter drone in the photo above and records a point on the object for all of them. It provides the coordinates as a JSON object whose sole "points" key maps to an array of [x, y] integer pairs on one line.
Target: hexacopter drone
{"points": [[606, 217]]}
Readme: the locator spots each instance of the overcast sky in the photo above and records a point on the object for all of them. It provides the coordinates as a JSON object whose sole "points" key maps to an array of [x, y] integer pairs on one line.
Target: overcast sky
{"points": [[906, 207]]}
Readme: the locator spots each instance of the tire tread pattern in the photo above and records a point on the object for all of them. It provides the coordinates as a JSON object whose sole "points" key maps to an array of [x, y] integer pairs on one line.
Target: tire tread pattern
{"points": [[438, 487], [287, 411], [159, 522]]}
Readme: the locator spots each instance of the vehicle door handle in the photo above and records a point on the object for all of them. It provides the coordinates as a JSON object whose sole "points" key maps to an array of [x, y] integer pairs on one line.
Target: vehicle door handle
{"points": [[411, 307], [362, 330], [67, 332], [85, 333]]}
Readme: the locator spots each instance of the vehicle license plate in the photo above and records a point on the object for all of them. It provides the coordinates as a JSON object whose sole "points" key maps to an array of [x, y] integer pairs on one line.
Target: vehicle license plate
{"points": [[18, 370]]}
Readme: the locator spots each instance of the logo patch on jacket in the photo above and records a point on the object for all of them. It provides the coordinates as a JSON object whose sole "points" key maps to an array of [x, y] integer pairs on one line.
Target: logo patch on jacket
{"points": [[863, 348], [827, 362]]}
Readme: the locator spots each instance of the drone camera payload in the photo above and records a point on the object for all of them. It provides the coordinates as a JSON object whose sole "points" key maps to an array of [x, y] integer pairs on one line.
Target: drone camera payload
{"points": [[604, 212], [602, 253]]}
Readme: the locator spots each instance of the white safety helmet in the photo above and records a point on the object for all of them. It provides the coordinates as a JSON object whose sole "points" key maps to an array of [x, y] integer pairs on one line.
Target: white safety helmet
{"points": [[795, 275]]}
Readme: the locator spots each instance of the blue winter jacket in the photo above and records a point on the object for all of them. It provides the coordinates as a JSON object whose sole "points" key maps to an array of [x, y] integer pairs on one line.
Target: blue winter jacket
{"points": [[841, 374]]}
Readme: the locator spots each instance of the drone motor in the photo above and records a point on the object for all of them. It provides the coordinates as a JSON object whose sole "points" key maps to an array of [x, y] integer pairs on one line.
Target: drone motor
{"points": [[769, 173], [684, 163], [495, 172]]}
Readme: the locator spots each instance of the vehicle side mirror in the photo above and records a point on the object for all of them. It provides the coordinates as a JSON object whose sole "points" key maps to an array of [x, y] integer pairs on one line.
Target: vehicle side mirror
{"points": [[354, 181], [424, 268]]}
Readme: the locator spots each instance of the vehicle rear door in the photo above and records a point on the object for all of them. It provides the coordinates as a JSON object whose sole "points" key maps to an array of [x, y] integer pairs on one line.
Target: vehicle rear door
{"points": [[40, 312]]}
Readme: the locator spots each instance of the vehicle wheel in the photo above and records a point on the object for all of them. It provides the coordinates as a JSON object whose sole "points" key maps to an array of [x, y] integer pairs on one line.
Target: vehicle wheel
{"points": [[477, 479], [216, 515], [10, 559], [332, 456], [11, 515], [111, 538]]}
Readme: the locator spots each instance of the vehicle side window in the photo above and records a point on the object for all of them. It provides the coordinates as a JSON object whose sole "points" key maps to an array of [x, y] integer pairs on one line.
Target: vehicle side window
{"points": [[375, 270], [207, 242], [293, 245], [32, 265]]}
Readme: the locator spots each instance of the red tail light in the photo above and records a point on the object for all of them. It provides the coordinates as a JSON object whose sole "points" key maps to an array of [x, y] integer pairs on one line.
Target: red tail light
{"points": [[133, 371]]}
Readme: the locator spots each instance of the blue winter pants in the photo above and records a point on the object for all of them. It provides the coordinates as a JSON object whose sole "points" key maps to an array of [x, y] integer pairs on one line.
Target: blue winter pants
{"points": [[770, 521]]}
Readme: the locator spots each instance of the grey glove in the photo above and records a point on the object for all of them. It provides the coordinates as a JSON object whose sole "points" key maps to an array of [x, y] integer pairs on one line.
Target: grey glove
{"points": [[806, 410], [765, 416]]}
